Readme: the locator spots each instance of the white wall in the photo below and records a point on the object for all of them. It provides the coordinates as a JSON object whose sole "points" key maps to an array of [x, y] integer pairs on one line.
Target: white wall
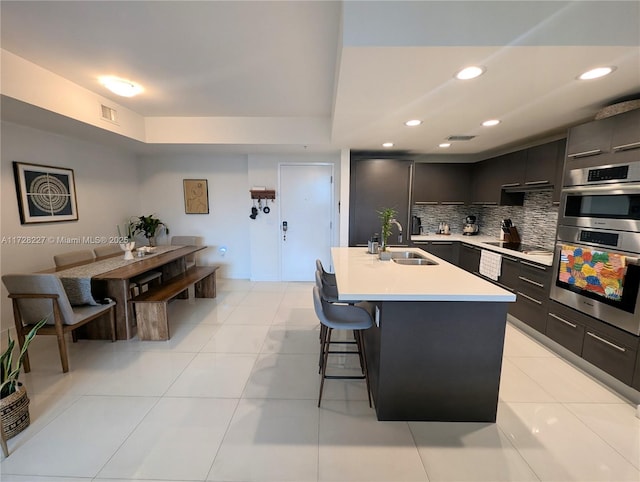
{"points": [[227, 224], [106, 182]]}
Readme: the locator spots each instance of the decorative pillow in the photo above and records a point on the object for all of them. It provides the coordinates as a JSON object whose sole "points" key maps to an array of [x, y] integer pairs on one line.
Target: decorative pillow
{"points": [[78, 291]]}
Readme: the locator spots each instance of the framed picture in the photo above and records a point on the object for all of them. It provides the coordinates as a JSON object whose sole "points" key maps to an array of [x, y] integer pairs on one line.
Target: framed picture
{"points": [[46, 194], [196, 196]]}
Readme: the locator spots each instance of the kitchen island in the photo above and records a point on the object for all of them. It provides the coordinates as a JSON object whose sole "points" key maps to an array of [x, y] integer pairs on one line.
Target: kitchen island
{"points": [[435, 351]]}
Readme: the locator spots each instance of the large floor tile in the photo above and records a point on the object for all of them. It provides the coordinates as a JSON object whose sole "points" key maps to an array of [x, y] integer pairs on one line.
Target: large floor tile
{"points": [[518, 344], [81, 440], [237, 339], [252, 315], [517, 386], [468, 452], [615, 423], [355, 447], [144, 373], [184, 337], [292, 315], [214, 375], [564, 382], [302, 339], [177, 440], [284, 376], [270, 440], [559, 447]]}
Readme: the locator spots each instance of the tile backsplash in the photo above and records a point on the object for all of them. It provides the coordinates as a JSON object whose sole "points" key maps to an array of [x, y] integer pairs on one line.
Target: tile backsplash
{"points": [[536, 219]]}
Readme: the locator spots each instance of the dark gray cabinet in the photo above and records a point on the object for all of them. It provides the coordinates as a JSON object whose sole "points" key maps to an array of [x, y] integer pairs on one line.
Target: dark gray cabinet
{"points": [[566, 327], [532, 295], [612, 140], [377, 184], [542, 163], [441, 183], [490, 178], [636, 377], [469, 258], [447, 250]]}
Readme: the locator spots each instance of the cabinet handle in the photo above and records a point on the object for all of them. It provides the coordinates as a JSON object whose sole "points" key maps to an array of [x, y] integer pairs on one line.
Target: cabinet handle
{"points": [[485, 203], [572, 325], [533, 183], [543, 268], [606, 342], [453, 203], [441, 243], [427, 203], [593, 152], [511, 184], [534, 283], [502, 286], [508, 258], [529, 298], [627, 147]]}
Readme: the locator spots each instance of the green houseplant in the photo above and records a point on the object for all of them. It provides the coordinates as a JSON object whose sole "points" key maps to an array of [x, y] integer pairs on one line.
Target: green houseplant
{"points": [[386, 215], [149, 226], [14, 403]]}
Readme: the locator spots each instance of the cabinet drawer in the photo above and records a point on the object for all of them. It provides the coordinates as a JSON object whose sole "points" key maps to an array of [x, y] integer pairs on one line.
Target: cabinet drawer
{"points": [[565, 331], [529, 310], [609, 355], [536, 275]]}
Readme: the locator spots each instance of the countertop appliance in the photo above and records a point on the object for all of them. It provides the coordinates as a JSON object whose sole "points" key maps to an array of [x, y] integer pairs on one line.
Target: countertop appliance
{"points": [[416, 225], [597, 255], [470, 227]]}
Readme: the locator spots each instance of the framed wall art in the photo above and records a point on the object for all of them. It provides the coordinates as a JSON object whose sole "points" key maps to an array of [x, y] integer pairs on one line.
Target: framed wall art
{"points": [[46, 194], [196, 196]]}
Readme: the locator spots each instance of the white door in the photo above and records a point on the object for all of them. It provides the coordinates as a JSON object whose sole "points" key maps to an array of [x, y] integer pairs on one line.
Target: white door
{"points": [[306, 219]]}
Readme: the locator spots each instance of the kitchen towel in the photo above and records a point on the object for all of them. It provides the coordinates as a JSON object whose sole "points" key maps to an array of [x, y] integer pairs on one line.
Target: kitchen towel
{"points": [[490, 264]]}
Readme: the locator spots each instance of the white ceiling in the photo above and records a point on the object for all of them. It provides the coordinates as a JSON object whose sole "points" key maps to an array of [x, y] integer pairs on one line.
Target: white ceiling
{"points": [[366, 67]]}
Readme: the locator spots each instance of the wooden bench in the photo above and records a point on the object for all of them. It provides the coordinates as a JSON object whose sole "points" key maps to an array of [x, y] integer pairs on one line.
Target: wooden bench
{"points": [[151, 306]]}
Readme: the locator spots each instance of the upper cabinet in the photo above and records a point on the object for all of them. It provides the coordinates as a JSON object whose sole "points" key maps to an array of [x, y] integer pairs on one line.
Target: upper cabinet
{"points": [[612, 140], [441, 183]]}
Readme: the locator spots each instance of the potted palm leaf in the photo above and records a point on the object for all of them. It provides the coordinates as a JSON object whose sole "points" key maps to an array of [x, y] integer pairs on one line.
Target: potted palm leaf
{"points": [[386, 215], [149, 226], [14, 403]]}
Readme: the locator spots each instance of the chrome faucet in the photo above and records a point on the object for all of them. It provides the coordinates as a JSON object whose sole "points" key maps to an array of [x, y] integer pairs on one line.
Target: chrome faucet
{"points": [[395, 221]]}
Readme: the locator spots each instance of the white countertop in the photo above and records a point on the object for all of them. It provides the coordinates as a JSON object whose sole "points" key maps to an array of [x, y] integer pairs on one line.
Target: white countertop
{"points": [[363, 276], [480, 241]]}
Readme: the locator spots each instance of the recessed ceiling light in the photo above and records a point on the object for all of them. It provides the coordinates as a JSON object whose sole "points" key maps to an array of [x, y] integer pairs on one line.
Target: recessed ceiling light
{"points": [[387, 144], [596, 73], [122, 87], [444, 145], [470, 73], [491, 122], [413, 123]]}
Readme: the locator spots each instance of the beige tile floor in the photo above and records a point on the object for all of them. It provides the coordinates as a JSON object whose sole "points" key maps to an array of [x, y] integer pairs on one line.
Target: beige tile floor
{"points": [[232, 397]]}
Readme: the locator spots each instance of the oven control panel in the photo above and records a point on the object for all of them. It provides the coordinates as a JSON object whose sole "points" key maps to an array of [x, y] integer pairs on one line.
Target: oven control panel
{"points": [[599, 237]]}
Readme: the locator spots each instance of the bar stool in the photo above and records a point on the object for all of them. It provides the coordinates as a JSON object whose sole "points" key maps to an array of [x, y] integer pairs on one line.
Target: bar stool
{"points": [[342, 317]]}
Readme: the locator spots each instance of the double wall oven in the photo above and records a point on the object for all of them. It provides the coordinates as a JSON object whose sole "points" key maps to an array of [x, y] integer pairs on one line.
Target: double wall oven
{"points": [[597, 253]]}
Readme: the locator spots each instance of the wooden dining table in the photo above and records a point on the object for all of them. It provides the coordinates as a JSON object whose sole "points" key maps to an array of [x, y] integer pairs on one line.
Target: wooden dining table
{"points": [[114, 284]]}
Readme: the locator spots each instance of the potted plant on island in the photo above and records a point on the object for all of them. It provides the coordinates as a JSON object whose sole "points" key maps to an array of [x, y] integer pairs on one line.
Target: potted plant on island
{"points": [[386, 215], [149, 226], [14, 403]]}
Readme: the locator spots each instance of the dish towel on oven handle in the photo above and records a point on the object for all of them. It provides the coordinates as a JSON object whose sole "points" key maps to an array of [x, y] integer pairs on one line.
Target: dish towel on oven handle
{"points": [[490, 264]]}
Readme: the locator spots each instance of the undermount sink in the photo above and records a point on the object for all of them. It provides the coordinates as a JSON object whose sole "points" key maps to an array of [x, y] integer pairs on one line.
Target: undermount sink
{"points": [[421, 261], [406, 255]]}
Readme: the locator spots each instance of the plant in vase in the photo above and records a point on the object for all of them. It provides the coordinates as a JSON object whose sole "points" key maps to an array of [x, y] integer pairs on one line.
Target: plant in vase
{"points": [[14, 403], [386, 215], [149, 226]]}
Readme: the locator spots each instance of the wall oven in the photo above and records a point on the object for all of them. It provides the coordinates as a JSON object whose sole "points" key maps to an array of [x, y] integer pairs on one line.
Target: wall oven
{"points": [[596, 261]]}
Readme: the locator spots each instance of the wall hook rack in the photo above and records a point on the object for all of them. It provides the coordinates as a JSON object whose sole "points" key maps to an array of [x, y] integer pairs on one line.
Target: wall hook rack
{"points": [[263, 194]]}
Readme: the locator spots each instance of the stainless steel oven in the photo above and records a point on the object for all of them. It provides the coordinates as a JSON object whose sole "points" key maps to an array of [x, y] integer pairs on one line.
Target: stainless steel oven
{"points": [[597, 271]]}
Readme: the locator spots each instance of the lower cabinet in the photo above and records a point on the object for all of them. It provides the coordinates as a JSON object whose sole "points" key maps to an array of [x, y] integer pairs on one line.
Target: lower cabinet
{"points": [[532, 295], [566, 327], [447, 250], [469, 258]]}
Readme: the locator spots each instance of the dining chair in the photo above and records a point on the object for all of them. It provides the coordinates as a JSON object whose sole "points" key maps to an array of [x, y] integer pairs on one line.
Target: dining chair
{"points": [[73, 257], [329, 278], [107, 251], [342, 317], [187, 241], [38, 296]]}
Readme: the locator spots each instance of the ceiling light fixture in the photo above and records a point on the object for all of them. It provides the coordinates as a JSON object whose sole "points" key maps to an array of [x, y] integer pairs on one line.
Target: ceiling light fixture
{"points": [[491, 122], [413, 123], [387, 144], [444, 145], [596, 73], [470, 73], [122, 87]]}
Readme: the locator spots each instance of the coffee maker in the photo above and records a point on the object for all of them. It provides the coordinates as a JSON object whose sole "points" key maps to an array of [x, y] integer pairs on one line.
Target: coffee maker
{"points": [[470, 227]]}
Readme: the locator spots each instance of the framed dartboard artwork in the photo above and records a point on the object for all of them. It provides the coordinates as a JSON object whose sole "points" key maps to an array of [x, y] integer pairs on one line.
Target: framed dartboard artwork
{"points": [[46, 194]]}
